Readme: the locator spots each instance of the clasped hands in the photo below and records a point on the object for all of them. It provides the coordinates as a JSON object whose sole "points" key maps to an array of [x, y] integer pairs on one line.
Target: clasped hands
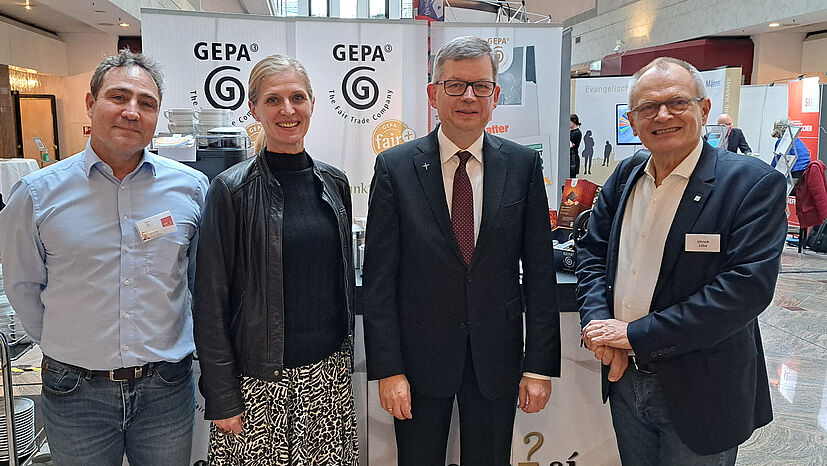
{"points": [[610, 343]]}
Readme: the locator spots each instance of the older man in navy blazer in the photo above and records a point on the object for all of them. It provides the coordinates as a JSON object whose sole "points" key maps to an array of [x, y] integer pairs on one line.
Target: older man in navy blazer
{"points": [[681, 257], [451, 216]]}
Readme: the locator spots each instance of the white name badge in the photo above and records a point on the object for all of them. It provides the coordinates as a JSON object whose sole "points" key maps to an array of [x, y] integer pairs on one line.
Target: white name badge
{"points": [[703, 242], [156, 226]]}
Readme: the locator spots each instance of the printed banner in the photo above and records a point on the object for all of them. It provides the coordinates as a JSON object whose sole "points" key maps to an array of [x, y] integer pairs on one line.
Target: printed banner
{"points": [[368, 78], [431, 10], [803, 110], [529, 79], [370, 82]]}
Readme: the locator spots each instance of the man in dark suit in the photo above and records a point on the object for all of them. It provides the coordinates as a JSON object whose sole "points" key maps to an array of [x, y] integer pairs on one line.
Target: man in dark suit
{"points": [[451, 216], [735, 139], [681, 257]]}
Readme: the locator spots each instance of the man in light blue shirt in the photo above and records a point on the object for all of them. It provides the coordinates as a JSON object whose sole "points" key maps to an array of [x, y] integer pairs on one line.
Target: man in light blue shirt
{"points": [[98, 258]]}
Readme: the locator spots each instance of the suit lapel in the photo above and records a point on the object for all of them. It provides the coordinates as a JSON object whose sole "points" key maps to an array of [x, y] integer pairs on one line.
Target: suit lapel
{"points": [[495, 171], [694, 198], [428, 167]]}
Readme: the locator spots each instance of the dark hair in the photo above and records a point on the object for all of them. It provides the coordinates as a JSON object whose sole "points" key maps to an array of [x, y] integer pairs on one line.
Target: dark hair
{"points": [[125, 58], [575, 119]]}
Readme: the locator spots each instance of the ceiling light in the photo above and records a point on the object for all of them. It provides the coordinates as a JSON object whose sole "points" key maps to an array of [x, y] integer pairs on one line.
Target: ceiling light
{"points": [[774, 25], [123, 25]]}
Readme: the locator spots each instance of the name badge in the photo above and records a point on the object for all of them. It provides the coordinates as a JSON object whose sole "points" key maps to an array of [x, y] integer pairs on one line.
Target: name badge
{"points": [[156, 226], [703, 242]]}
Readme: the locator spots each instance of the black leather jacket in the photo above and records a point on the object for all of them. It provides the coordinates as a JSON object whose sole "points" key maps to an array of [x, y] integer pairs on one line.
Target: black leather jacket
{"points": [[239, 303]]}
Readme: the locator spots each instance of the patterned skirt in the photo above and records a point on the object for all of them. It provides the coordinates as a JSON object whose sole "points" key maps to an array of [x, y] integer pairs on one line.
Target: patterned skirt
{"points": [[306, 418]]}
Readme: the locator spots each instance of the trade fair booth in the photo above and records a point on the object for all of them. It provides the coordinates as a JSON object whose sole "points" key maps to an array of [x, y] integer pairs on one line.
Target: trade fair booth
{"points": [[369, 80]]}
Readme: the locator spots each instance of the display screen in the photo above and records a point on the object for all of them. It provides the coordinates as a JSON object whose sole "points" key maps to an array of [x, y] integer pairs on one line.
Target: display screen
{"points": [[625, 134]]}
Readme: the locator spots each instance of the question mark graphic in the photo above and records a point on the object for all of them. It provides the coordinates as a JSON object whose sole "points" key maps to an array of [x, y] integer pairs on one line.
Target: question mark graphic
{"points": [[533, 449]]}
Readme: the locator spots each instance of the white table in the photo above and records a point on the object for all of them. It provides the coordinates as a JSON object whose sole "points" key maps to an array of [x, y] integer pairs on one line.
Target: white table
{"points": [[11, 170]]}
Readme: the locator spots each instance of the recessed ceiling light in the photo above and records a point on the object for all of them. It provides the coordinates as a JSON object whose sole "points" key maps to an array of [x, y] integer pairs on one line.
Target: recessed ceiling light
{"points": [[124, 25], [774, 25]]}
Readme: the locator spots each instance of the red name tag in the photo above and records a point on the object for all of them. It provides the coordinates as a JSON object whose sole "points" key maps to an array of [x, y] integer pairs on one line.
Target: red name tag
{"points": [[166, 221]]}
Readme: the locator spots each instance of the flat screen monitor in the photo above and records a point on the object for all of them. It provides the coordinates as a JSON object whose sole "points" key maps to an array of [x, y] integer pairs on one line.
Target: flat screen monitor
{"points": [[625, 134]]}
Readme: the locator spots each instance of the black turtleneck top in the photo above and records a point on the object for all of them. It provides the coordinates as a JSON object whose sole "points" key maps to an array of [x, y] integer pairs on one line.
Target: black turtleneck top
{"points": [[315, 316]]}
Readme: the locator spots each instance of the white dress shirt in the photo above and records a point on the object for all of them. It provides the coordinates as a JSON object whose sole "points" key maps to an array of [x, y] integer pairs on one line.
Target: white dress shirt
{"points": [[647, 220], [450, 161]]}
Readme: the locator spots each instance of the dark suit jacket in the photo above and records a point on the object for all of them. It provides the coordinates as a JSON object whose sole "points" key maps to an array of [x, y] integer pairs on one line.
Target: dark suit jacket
{"points": [[421, 304], [701, 334], [737, 141]]}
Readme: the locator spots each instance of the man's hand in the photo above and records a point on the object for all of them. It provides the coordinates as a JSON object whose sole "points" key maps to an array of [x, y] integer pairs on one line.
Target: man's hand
{"points": [[616, 358], [534, 394], [232, 425], [395, 396], [609, 332]]}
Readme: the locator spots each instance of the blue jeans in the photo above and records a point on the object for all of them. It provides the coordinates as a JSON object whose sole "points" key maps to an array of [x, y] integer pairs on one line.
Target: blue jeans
{"points": [[92, 421], [645, 435]]}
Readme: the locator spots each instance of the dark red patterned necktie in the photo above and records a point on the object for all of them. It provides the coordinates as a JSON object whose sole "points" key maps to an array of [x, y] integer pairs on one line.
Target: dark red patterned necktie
{"points": [[462, 209]]}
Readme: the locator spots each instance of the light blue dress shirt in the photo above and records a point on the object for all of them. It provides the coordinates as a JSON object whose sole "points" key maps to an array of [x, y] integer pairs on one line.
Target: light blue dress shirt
{"points": [[77, 273]]}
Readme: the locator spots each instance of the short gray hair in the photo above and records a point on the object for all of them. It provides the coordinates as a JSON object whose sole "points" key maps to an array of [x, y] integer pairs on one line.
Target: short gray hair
{"points": [[662, 64], [463, 48], [272, 65], [125, 58]]}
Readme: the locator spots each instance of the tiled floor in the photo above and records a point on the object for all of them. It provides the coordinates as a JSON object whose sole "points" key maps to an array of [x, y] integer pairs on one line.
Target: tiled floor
{"points": [[794, 331]]}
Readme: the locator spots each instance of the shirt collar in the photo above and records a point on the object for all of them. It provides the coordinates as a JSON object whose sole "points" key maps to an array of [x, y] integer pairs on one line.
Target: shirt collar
{"points": [[685, 168], [448, 149], [90, 159]]}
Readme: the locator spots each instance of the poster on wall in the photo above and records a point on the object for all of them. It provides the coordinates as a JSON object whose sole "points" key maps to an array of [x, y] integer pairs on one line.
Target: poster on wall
{"points": [[363, 72], [601, 103], [529, 79]]}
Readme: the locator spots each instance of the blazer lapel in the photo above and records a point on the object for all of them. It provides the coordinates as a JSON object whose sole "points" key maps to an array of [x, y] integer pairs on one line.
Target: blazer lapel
{"points": [[428, 167], [694, 198], [614, 238], [495, 171]]}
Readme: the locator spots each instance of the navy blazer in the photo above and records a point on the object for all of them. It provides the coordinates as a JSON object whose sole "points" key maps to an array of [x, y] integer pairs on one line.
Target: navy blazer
{"points": [[701, 334], [422, 304]]}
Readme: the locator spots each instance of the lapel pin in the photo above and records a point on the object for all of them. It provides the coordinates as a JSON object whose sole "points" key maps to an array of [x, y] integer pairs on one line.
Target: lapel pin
{"points": [[697, 198], [426, 165]]}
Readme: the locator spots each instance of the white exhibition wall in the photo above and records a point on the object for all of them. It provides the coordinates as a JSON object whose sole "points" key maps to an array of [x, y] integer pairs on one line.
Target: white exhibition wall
{"points": [[761, 106]]}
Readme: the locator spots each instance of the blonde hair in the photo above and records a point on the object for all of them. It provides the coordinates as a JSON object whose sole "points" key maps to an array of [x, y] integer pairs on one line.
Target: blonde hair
{"points": [[272, 65]]}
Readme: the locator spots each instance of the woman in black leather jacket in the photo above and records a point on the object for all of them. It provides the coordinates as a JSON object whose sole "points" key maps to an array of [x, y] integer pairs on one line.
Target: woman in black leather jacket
{"points": [[274, 288]]}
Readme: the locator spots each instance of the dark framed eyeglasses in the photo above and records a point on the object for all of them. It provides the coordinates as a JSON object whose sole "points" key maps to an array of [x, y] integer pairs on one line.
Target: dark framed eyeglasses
{"points": [[675, 105], [457, 87]]}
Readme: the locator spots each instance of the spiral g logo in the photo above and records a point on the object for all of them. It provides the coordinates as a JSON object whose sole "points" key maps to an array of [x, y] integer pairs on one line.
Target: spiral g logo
{"points": [[498, 51], [224, 91], [360, 91]]}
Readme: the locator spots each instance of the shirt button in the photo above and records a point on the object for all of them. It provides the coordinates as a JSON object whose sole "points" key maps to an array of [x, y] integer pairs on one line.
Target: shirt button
{"points": [[127, 249], [126, 347], [124, 217], [276, 373], [126, 316], [126, 282], [123, 187]]}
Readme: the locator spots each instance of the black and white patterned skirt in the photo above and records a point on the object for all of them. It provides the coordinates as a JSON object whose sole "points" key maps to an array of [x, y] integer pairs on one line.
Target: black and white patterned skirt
{"points": [[306, 418]]}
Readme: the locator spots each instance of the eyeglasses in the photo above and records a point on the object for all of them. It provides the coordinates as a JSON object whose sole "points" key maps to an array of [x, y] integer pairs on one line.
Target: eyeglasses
{"points": [[457, 87], [676, 106]]}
